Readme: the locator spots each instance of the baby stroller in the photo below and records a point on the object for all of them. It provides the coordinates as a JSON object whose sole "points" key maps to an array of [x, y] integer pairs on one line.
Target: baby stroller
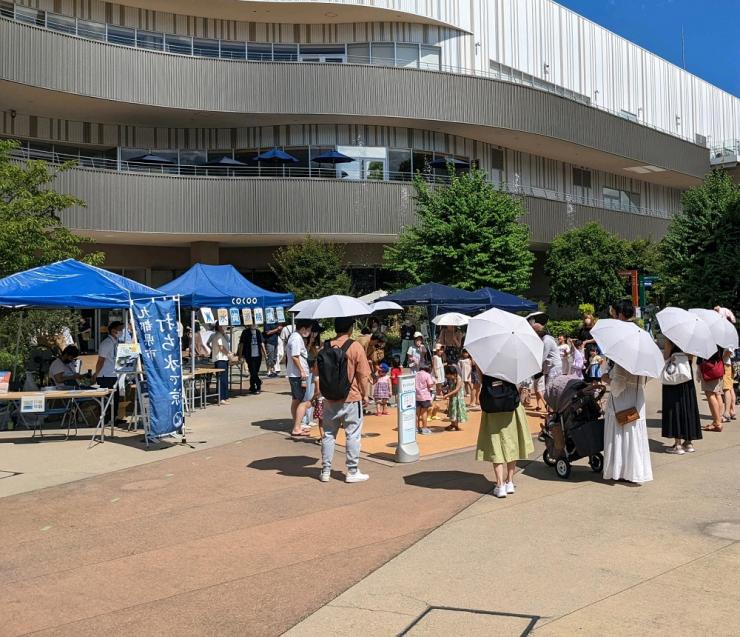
{"points": [[575, 429]]}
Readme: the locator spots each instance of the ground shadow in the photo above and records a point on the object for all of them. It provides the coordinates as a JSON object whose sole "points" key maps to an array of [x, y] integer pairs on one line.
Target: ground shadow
{"points": [[283, 425], [293, 466], [580, 472], [450, 481]]}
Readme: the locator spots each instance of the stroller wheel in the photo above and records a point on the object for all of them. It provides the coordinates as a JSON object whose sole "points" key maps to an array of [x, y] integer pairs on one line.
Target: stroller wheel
{"points": [[562, 468], [547, 459], [597, 463]]}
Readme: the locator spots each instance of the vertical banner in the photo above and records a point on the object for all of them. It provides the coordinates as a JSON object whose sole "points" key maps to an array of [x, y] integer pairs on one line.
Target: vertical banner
{"points": [[156, 324]]}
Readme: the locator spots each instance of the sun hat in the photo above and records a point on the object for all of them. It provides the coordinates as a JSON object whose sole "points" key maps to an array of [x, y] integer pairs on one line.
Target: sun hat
{"points": [[418, 335]]}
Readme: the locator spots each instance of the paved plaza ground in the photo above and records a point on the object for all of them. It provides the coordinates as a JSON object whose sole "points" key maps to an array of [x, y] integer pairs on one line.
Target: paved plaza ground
{"points": [[235, 535]]}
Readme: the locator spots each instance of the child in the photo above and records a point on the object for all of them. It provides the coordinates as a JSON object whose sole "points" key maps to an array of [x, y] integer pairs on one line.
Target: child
{"points": [[456, 409], [475, 381], [525, 393], [382, 391], [576, 368], [564, 348], [594, 366], [424, 386], [438, 366], [466, 368], [396, 373]]}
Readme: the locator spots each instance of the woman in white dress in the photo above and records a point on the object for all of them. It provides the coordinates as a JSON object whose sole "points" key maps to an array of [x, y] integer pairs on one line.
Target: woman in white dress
{"points": [[626, 447]]}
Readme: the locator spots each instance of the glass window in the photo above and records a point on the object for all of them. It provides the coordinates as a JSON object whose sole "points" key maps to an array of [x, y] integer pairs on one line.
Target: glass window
{"points": [[407, 55], [121, 35], [29, 16], [326, 171], [299, 169], [612, 197], [422, 162], [399, 165], [233, 50], [581, 178], [259, 52], [358, 53], [431, 58], [285, 52], [497, 159], [205, 48], [383, 53], [323, 49], [181, 44], [149, 40], [91, 30], [65, 153], [630, 201], [6, 9], [61, 23]]}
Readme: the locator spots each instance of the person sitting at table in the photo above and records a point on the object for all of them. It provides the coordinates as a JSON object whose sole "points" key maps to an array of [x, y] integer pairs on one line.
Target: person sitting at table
{"points": [[64, 368]]}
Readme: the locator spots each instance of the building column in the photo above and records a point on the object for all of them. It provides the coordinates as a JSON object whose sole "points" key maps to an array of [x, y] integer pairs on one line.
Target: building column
{"points": [[206, 252]]}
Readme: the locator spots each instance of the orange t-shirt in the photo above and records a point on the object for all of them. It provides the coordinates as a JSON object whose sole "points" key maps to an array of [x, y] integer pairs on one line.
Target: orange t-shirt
{"points": [[358, 368]]}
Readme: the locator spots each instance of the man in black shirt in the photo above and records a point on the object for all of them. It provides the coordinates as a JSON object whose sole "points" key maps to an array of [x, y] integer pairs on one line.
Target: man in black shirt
{"points": [[407, 338], [252, 349], [271, 335]]}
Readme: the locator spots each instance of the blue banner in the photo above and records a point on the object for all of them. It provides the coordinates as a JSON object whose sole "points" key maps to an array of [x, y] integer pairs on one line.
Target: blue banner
{"points": [[156, 326]]}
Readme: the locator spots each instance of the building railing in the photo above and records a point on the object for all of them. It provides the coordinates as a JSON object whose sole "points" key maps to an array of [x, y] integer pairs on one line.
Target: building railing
{"points": [[234, 50], [726, 153], [288, 172]]}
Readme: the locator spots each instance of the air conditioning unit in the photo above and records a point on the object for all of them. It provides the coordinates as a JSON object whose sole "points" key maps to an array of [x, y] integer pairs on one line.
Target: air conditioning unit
{"points": [[701, 139]]}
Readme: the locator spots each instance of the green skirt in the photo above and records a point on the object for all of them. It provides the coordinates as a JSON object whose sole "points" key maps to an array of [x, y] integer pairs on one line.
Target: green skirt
{"points": [[504, 437]]}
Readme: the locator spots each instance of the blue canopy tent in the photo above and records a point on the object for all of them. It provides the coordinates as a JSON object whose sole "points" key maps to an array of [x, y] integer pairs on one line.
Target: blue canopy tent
{"points": [[488, 298], [222, 286], [71, 284], [433, 295]]}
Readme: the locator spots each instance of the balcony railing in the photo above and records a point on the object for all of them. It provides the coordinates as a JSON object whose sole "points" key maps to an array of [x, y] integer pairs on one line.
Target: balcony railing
{"points": [[288, 172], [725, 154], [234, 50]]}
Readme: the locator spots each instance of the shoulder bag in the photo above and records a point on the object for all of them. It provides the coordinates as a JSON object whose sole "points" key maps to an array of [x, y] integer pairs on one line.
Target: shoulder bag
{"points": [[677, 370], [629, 415]]}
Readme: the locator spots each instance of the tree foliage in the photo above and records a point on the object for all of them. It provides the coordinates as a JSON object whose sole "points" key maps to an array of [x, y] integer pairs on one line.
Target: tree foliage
{"points": [[583, 266], [468, 235], [700, 257], [33, 235], [312, 269]]}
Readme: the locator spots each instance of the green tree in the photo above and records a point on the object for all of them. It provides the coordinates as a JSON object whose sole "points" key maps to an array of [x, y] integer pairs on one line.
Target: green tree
{"points": [[33, 235], [468, 235], [700, 257], [642, 255], [312, 269], [583, 266]]}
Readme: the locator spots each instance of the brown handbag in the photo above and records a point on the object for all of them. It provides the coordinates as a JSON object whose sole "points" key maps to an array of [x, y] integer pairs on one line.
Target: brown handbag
{"points": [[626, 416]]}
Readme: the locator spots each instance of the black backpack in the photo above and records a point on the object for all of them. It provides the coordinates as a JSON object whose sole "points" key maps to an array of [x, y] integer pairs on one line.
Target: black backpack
{"points": [[334, 381], [498, 396]]}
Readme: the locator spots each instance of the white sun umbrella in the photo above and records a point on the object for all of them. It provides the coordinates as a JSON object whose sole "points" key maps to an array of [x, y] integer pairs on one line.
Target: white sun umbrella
{"points": [[451, 318], [385, 306], [302, 305], [504, 345], [724, 332], [629, 346], [373, 296], [687, 330], [335, 306]]}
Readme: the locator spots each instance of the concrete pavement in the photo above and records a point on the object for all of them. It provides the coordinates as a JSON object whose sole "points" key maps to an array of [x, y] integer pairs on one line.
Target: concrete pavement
{"points": [[581, 556]]}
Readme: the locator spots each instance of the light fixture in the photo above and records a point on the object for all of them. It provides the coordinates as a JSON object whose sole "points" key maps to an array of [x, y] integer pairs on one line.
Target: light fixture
{"points": [[547, 68]]}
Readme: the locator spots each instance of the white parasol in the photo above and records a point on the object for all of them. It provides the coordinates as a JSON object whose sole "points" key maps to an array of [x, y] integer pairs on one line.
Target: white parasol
{"points": [[386, 306], [688, 331], [451, 318], [724, 332], [629, 346], [335, 306], [504, 346], [302, 305]]}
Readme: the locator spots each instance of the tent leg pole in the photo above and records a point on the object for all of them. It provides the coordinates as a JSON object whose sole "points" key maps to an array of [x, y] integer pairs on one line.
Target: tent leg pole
{"points": [[17, 346]]}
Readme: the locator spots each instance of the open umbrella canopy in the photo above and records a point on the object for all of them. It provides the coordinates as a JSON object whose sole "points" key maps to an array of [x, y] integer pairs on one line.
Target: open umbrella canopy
{"points": [[442, 162], [504, 346], [688, 331], [333, 157], [373, 296], [277, 156], [629, 346], [150, 159], [303, 305], [386, 307], [451, 318], [225, 161], [335, 306], [723, 332]]}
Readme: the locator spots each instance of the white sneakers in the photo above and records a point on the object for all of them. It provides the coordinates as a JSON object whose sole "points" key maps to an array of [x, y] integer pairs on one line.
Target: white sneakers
{"points": [[501, 491], [357, 476], [676, 449], [325, 476]]}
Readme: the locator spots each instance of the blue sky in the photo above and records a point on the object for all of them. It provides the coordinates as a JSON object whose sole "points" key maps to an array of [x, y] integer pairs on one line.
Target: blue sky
{"points": [[711, 27]]}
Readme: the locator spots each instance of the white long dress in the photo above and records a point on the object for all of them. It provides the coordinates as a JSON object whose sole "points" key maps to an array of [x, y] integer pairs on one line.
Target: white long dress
{"points": [[626, 448]]}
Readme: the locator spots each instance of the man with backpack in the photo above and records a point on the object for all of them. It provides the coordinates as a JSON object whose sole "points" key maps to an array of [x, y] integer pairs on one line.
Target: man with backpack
{"points": [[344, 375]]}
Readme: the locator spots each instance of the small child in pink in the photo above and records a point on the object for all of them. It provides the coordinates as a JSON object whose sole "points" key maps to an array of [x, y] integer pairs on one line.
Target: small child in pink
{"points": [[424, 386], [382, 390]]}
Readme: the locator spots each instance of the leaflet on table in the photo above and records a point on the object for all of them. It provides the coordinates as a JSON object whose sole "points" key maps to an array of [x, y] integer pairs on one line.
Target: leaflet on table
{"points": [[247, 316], [206, 313], [223, 316], [234, 316], [259, 316]]}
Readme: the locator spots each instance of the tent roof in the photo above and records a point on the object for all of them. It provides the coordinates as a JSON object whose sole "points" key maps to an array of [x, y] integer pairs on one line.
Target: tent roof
{"points": [[433, 294], [71, 284], [221, 286], [488, 298]]}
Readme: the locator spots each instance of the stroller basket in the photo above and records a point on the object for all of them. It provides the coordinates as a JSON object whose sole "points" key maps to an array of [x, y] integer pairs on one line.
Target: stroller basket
{"points": [[588, 437]]}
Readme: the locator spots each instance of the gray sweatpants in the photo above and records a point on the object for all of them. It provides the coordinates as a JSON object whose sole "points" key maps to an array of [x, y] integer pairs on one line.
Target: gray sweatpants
{"points": [[337, 414]]}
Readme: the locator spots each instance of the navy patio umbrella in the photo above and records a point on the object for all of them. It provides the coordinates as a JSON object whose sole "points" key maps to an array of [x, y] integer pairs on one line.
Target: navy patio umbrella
{"points": [[150, 159], [225, 161], [442, 162], [333, 157], [277, 156]]}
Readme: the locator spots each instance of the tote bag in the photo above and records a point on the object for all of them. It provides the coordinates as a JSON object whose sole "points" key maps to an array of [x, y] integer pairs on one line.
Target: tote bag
{"points": [[677, 370]]}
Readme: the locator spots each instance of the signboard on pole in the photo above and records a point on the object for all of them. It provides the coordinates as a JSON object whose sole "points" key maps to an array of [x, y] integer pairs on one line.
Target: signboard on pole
{"points": [[407, 449], [156, 324]]}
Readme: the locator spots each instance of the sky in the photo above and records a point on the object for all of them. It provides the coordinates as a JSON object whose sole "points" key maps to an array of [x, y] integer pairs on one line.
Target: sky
{"points": [[711, 31]]}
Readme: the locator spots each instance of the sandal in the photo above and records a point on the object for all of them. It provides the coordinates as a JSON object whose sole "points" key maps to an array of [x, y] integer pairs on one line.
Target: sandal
{"points": [[302, 434], [717, 428]]}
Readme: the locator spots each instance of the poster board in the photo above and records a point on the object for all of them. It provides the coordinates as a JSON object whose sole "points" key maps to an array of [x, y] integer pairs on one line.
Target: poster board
{"points": [[223, 316], [280, 314], [206, 313], [270, 315], [5, 382], [259, 316], [235, 316], [247, 316], [127, 358]]}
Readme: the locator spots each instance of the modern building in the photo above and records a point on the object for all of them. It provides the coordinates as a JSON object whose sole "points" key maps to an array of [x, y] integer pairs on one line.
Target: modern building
{"points": [[166, 103]]}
